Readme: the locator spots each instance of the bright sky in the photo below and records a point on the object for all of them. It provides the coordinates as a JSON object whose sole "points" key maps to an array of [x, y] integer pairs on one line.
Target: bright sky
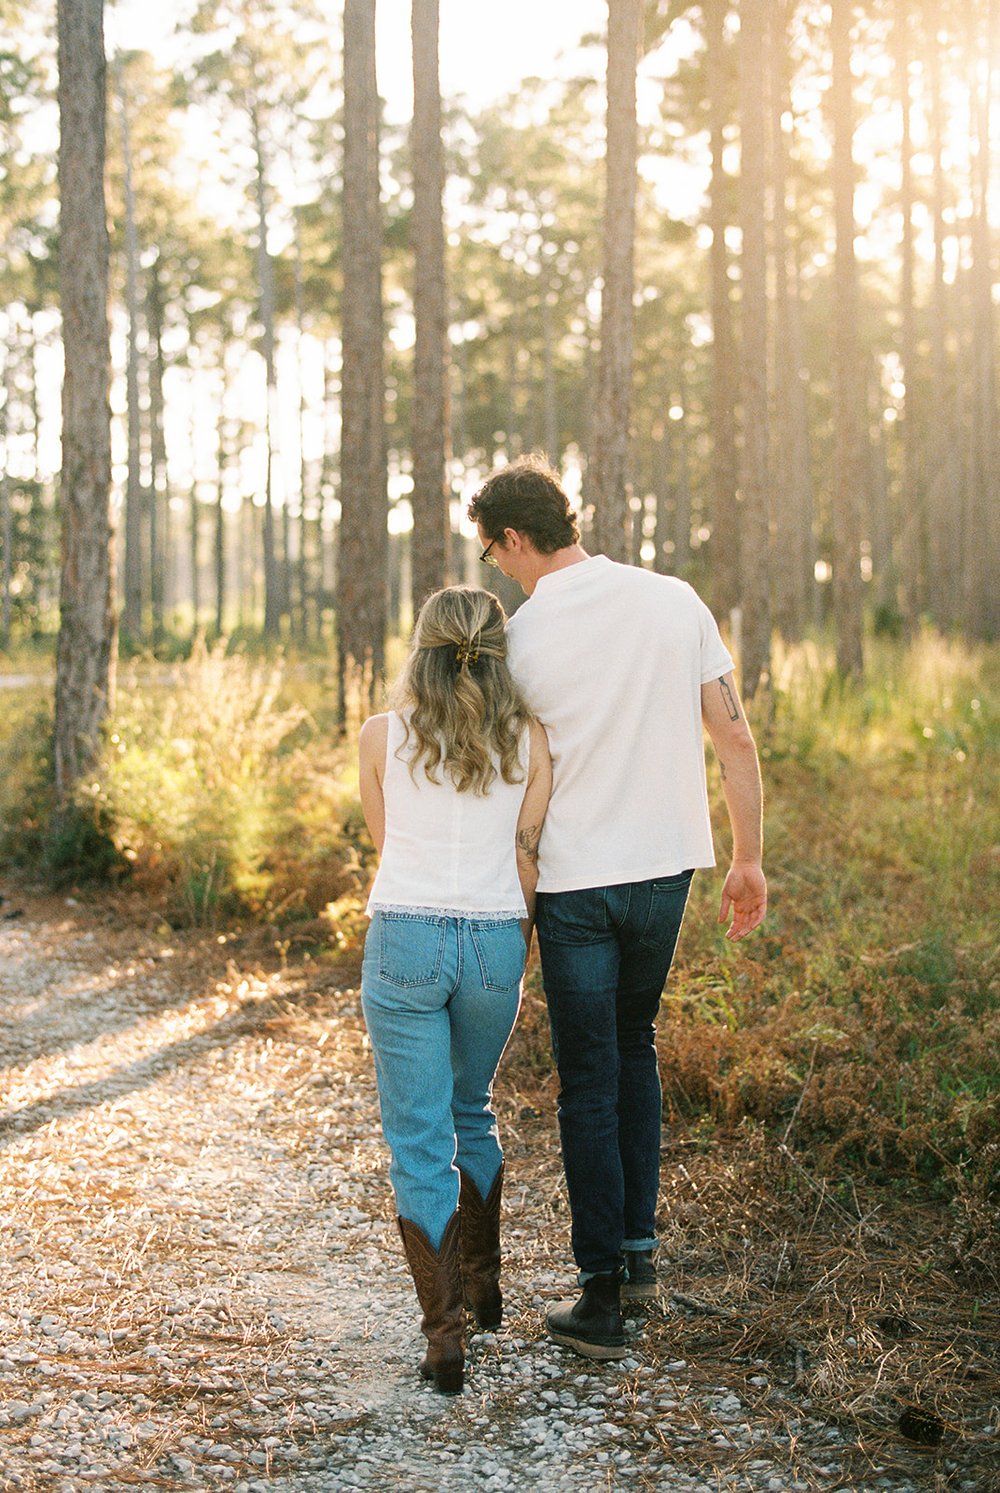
{"points": [[484, 51], [484, 48]]}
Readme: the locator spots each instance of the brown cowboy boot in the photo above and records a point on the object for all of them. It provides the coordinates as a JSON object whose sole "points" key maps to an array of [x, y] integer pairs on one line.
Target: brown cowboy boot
{"points": [[480, 1234], [437, 1277]]}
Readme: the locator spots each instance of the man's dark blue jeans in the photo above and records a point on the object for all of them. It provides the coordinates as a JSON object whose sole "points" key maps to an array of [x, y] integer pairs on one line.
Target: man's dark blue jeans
{"points": [[606, 954]]}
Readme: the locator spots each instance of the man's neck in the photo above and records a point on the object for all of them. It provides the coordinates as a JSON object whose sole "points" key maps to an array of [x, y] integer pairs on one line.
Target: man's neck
{"points": [[572, 554]]}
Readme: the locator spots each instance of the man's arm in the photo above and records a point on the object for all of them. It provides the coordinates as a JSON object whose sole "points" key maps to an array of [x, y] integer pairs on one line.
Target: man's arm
{"points": [[744, 893]]}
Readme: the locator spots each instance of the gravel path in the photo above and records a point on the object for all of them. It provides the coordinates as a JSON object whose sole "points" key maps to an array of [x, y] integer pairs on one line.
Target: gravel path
{"points": [[203, 1284]]}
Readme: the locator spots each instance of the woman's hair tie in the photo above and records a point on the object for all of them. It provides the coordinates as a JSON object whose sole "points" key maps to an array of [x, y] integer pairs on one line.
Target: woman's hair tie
{"points": [[467, 653]]}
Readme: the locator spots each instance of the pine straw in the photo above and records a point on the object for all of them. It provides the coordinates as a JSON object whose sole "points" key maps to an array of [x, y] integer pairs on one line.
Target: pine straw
{"points": [[861, 1313], [860, 1307]]}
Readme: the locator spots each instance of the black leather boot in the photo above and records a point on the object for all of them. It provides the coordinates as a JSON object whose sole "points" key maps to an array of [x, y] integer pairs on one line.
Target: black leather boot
{"points": [[593, 1324], [479, 1225], [640, 1283], [437, 1277]]}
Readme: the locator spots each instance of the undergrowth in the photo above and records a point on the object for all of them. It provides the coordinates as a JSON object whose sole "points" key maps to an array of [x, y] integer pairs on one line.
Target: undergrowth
{"points": [[862, 1020]]}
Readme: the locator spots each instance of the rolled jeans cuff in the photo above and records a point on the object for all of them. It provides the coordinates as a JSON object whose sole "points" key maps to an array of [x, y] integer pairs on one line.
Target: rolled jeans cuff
{"points": [[639, 1246]]}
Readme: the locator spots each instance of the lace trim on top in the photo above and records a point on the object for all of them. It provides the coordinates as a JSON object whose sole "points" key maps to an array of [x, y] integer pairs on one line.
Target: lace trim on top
{"points": [[492, 916]]}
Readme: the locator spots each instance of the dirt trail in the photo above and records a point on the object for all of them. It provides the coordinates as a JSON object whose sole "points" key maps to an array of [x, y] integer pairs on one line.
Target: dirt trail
{"points": [[202, 1280]]}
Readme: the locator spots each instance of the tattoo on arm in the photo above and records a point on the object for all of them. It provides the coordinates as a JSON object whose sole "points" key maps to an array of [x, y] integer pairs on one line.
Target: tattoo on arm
{"points": [[527, 841], [722, 768], [731, 705]]}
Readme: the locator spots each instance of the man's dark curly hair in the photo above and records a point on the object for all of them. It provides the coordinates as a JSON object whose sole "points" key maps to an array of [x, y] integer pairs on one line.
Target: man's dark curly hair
{"points": [[528, 497]]}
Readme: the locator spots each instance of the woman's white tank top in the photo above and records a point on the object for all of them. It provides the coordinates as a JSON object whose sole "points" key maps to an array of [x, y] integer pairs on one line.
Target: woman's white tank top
{"points": [[447, 853]]}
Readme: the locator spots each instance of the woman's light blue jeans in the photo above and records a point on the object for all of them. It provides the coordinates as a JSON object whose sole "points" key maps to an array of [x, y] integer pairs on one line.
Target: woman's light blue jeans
{"points": [[440, 997]]}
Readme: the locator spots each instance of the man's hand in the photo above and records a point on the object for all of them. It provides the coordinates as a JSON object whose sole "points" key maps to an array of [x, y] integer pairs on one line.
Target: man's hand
{"points": [[744, 894]]}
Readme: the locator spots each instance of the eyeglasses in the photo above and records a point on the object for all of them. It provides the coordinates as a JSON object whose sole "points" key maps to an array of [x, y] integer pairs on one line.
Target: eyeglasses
{"points": [[486, 558]]}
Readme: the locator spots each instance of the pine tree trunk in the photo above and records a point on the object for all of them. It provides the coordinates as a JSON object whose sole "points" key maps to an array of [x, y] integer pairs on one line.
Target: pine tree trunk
{"points": [[194, 548], [274, 601], [802, 473], [850, 464], [661, 474], [609, 458], [982, 607], [754, 590], [430, 499], [363, 550], [912, 522], [880, 521], [41, 512], [222, 459], [159, 498], [791, 551], [327, 578], [724, 513], [682, 494], [943, 491], [6, 510], [85, 657], [131, 618], [302, 572]]}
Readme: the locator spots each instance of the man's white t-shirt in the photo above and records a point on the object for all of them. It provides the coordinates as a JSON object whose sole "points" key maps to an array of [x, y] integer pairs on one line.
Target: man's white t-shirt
{"points": [[611, 658]]}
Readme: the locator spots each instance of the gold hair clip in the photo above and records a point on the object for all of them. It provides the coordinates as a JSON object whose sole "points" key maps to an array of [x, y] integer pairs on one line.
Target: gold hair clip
{"points": [[467, 653]]}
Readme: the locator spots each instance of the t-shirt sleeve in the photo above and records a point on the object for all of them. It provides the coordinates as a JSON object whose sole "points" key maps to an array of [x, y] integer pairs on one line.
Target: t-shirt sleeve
{"points": [[716, 659]]}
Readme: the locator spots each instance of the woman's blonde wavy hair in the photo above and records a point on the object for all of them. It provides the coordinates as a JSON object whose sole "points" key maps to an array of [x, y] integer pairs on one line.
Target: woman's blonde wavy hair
{"points": [[458, 700]]}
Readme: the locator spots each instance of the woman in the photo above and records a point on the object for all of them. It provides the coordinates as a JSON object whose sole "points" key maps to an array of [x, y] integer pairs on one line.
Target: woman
{"points": [[455, 782]]}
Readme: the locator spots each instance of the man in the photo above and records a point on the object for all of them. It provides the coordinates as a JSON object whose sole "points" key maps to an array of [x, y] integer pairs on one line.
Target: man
{"points": [[622, 667]]}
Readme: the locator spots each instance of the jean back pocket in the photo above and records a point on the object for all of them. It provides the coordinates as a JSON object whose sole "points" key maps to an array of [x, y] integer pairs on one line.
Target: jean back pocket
{"points": [[410, 949], [500, 952]]}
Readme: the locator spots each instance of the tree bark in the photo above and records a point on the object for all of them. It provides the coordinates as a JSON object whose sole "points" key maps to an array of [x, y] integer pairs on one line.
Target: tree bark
{"points": [[912, 518], [159, 497], [222, 461], [982, 603], [791, 550], [850, 463], [880, 527], [302, 568], [725, 518], [194, 547], [682, 491], [274, 591], [87, 630], [363, 550], [430, 499], [660, 474], [614, 381], [755, 568], [944, 483], [131, 618], [6, 510]]}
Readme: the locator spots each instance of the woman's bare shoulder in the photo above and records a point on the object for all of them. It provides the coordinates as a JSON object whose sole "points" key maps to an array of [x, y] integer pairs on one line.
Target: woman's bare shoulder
{"points": [[374, 734]]}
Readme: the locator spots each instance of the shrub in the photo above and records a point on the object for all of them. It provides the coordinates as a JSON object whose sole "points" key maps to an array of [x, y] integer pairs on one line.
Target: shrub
{"points": [[192, 780]]}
